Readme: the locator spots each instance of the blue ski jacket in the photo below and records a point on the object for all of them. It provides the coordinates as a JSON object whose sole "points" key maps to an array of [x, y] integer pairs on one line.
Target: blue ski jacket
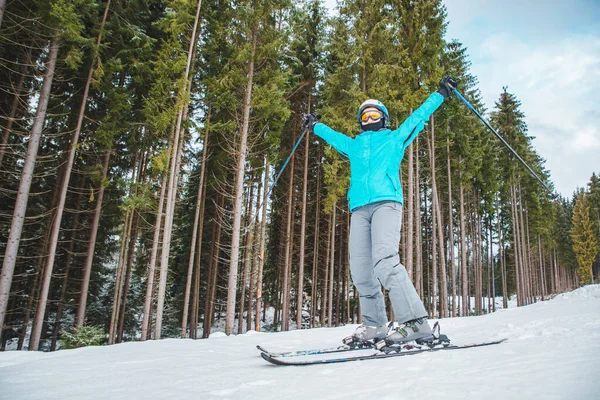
{"points": [[375, 156]]}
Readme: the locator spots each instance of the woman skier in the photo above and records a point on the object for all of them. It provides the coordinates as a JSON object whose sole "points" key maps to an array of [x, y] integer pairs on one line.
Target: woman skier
{"points": [[375, 201]]}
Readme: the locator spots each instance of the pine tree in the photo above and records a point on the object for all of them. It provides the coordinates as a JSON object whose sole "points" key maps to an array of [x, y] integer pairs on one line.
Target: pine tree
{"points": [[509, 121], [62, 22], [585, 242], [306, 45], [594, 199]]}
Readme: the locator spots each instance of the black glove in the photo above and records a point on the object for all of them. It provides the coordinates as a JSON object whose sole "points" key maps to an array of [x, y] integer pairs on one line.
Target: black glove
{"points": [[447, 86], [310, 120]]}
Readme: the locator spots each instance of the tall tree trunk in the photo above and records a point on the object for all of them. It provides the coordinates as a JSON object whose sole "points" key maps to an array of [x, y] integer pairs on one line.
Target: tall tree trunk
{"points": [[65, 282], [325, 285], [502, 260], [119, 277], [191, 260], [211, 287], [130, 251], [463, 248], [300, 290], [555, 278], [442, 258], [516, 246], [526, 247], [560, 279], [261, 257], [184, 115], [128, 269], [480, 251], [147, 318], [410, 205], [35, 288], [153, 289], [533, 275], [338, 281], [493, 269], [123, 260], [443, 283], [278, 278], [33, 294], [315, 265], [542, 274], [410, 213], [239, 190], [433, 294], [16, 228], [89, 258], [523, 247], [429, 261], [451, 231], [285, 293], [332, 268], [254, 262], [477, 282], [63, 289], [247, 258], [196, 237], [346, 264], [167, 230], [198, 269], [418, 228], [552, 272]]}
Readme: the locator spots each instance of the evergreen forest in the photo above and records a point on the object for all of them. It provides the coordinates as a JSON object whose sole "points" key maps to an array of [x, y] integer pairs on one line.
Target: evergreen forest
{"points": [[153, 182]]}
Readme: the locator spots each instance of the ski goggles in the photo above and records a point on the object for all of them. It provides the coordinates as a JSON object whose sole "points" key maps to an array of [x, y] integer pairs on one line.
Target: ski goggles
{"points": [[374, 115]]}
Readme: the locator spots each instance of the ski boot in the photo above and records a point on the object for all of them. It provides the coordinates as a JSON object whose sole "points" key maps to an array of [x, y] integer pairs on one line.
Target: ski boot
{"points": [[415, 334], [366, 336]]}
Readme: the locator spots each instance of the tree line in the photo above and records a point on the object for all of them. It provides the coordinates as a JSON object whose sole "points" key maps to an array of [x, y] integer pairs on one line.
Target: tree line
{"points": [[141, 140]]}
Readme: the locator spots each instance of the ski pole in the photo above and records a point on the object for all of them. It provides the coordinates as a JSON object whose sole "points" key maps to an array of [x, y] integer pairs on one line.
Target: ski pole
{"points": [[552, 194], [277, 177]]}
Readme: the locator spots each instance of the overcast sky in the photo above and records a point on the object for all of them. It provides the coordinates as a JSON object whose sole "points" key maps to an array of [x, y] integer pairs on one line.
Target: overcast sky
{"points": [[548, 54]]}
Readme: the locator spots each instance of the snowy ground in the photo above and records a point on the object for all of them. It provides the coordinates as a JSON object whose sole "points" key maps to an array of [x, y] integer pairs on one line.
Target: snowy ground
{"points": [[553, 352]]}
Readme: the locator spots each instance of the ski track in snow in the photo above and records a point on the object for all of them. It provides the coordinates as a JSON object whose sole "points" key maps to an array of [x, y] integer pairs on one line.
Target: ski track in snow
{"points": [[553, 352]]}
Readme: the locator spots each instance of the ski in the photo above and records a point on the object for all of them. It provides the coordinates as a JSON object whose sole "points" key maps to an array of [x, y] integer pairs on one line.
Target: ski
{"points": [[352, 346], [297, 353], [379, 354]]}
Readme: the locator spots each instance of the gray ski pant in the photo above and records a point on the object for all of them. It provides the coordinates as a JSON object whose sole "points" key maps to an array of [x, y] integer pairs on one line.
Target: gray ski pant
{"points": [[374, 261]]}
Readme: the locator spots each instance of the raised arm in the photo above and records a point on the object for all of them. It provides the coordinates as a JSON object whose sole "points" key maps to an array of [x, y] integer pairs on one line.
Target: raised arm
{"points": [[337, 140], [410, 128]]}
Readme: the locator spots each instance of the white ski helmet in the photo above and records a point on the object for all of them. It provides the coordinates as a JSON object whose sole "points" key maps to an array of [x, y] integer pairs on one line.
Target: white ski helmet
{"points": [[378, 105]]}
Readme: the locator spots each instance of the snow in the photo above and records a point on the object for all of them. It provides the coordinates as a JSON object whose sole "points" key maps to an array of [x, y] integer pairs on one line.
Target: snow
{"points": [[552, 352]]}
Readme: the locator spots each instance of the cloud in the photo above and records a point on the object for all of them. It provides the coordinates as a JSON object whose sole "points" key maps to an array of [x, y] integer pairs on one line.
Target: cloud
{"points": [[587, 139], [548, 54], [558, 84]]}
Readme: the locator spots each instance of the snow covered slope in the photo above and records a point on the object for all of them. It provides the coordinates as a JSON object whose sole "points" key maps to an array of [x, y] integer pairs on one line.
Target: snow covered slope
{"points": [[553, 352]]}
